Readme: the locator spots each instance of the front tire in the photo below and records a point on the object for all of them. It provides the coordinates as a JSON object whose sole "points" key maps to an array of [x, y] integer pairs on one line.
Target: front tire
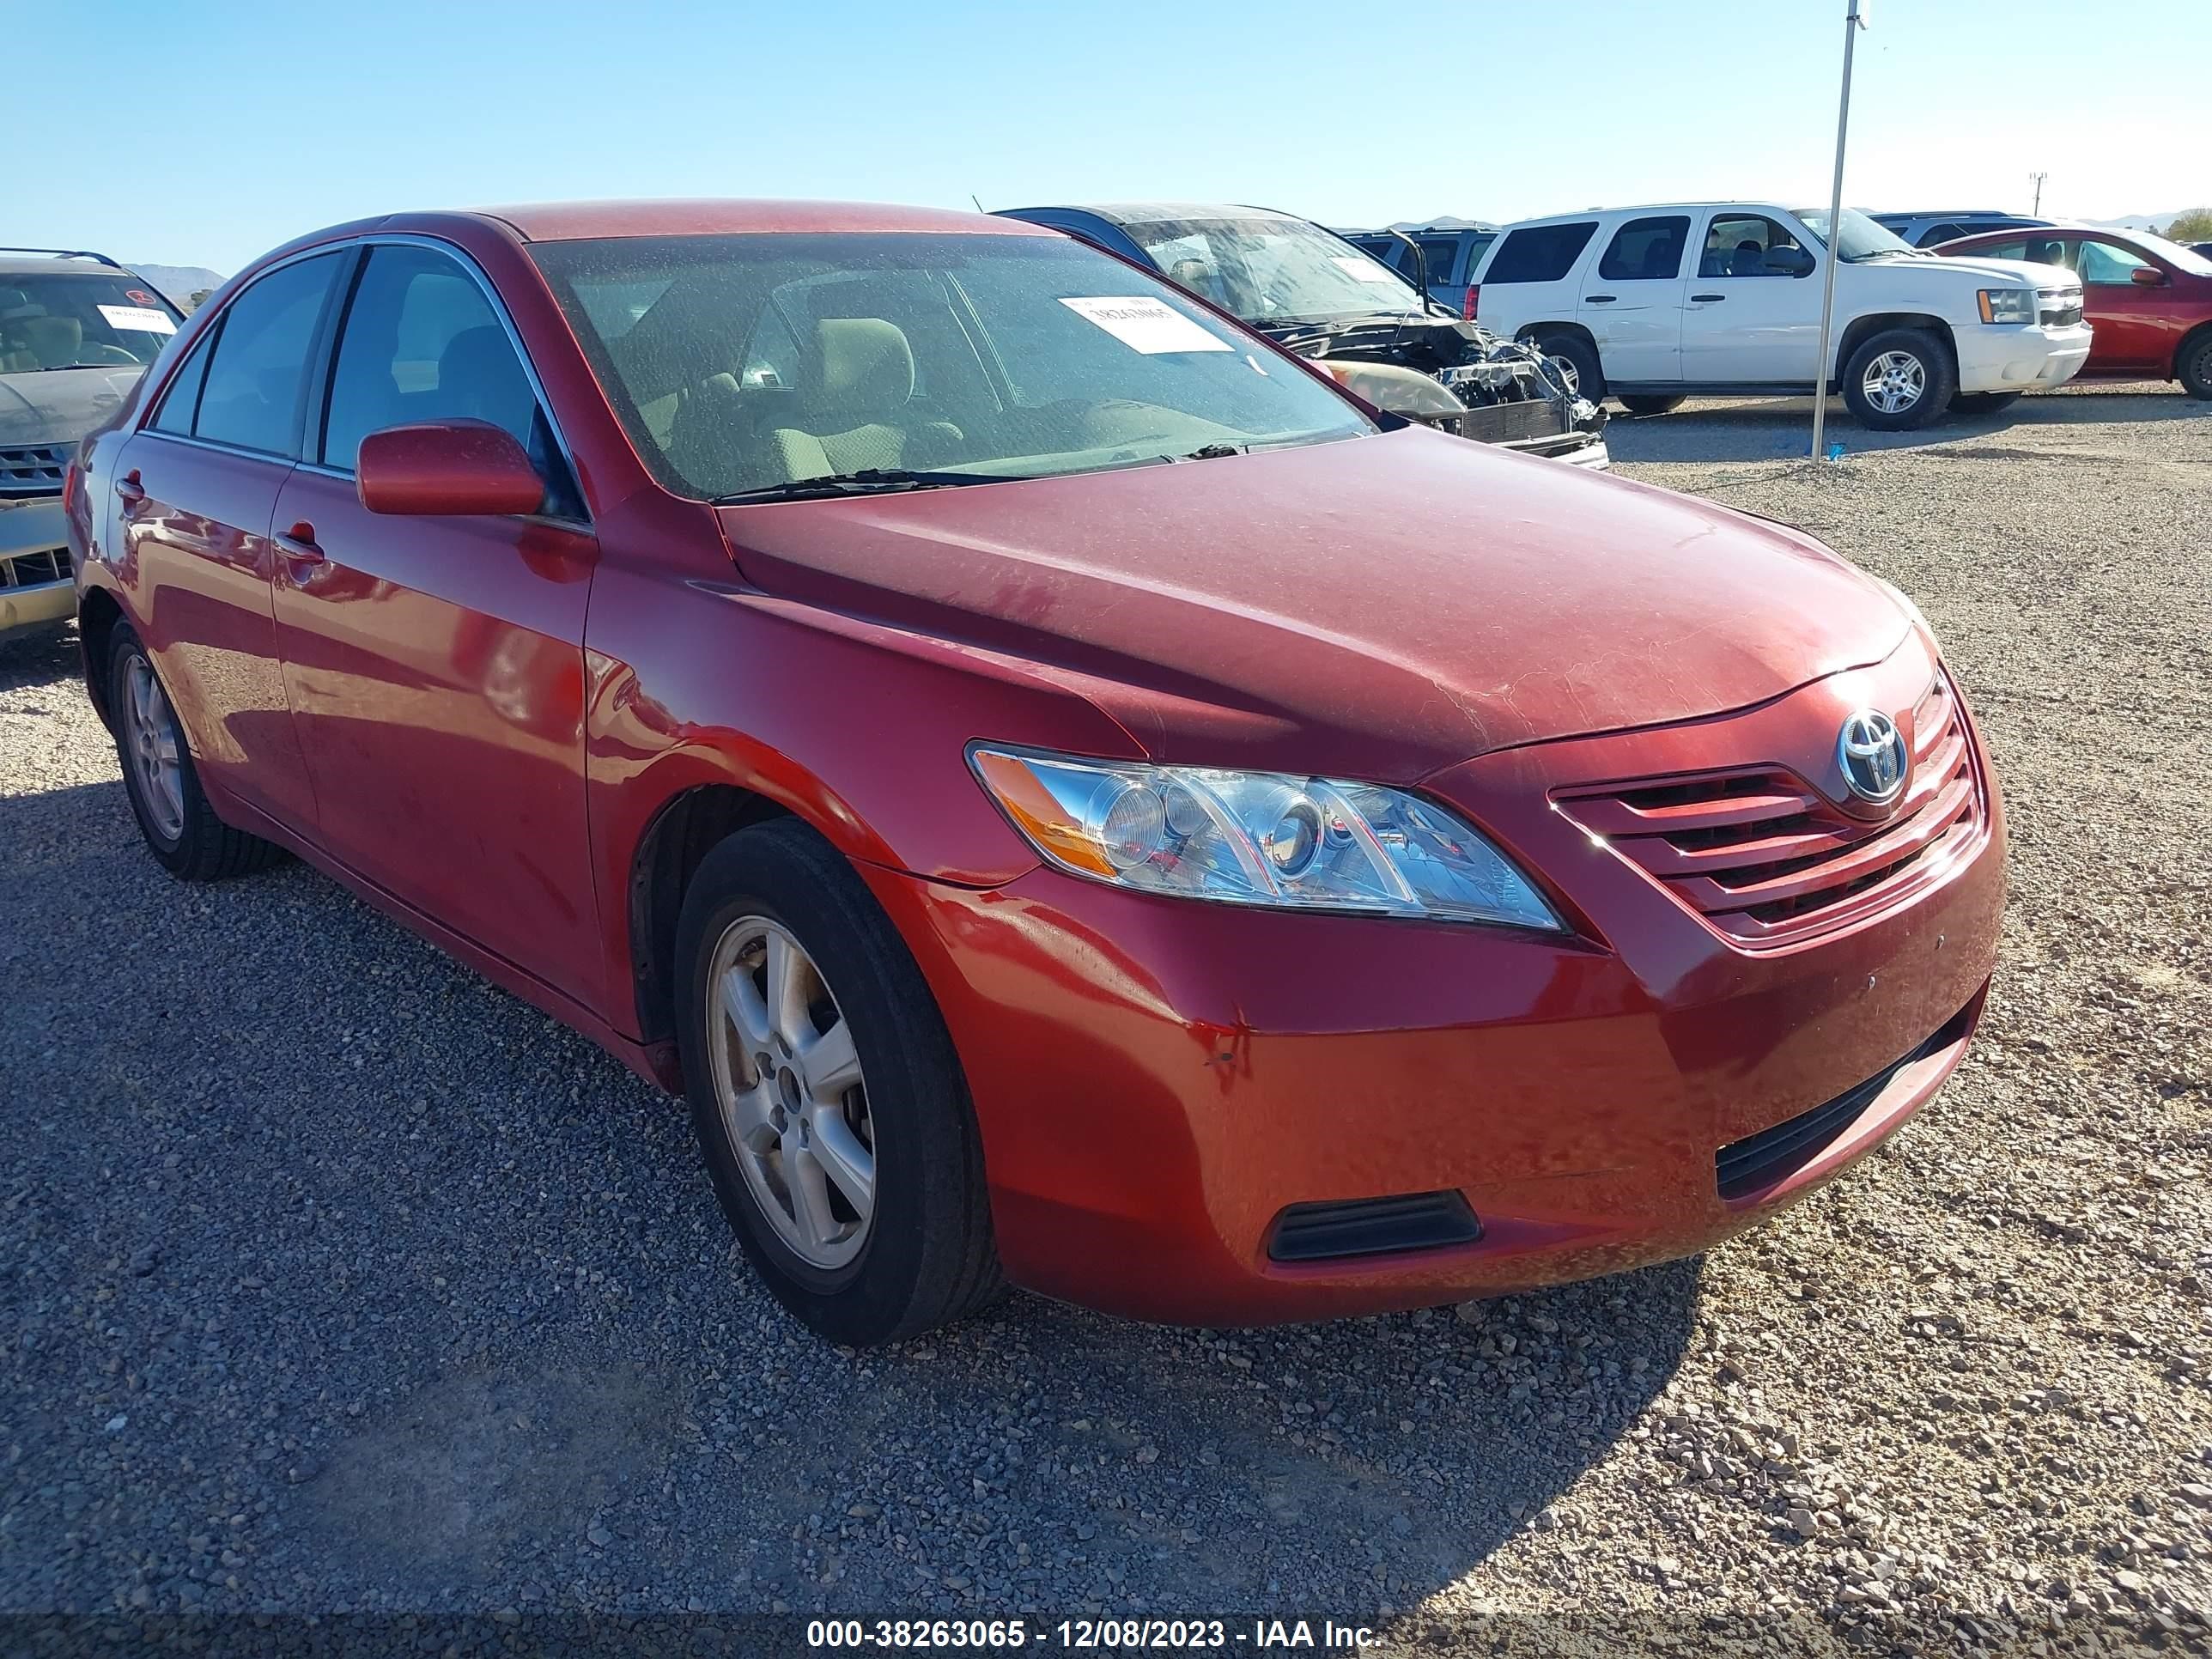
{"points": [[828, 1097], [1899, 380], [178, 826], [1651, 405], [2192, 366], [1984, 403]]}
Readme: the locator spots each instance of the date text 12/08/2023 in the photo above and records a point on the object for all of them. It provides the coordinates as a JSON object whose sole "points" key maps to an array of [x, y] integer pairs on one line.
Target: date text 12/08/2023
{"points": [[1011, 1635]]}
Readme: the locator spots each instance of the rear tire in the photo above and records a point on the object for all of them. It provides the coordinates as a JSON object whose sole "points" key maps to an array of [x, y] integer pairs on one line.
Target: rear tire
{"points": [[2192, 366], [1651, 405], [1982, 403], [1899, 380], [179, 828], [1577, 360], [849, 1165]]}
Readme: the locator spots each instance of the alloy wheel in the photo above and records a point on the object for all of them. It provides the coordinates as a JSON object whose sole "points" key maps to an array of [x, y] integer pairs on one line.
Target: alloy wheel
{"points": [[794, 1103], [154, 748], [1894, 381]]}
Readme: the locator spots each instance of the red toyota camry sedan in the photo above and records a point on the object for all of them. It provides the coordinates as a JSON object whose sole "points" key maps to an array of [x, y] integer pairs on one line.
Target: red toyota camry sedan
{"points": [[1072, 797]]}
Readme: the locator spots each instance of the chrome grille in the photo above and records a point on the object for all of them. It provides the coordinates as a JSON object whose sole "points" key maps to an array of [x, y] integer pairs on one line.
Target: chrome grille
{"points": [[33, 469], [1762, 858], [2061, 307]]}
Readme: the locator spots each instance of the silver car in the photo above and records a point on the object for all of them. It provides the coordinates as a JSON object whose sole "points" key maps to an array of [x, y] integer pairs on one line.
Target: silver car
{"points": [[77, 330]]}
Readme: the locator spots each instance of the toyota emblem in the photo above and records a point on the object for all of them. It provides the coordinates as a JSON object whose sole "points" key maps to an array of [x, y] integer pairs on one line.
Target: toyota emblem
{"points": [[1870, 750]]}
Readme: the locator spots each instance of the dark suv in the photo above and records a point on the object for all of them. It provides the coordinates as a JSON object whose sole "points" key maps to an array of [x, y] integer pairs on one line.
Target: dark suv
{"points": [[1448, 253], [77, 330]]}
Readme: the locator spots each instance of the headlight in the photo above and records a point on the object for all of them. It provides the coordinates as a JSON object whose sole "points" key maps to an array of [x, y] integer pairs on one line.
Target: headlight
{"points": [[2007, 305], [1267, 838]]}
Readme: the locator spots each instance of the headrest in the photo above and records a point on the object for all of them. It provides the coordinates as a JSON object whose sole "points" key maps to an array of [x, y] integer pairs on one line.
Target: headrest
{"points": [[55, 341], [479, 375], [868, 367]]}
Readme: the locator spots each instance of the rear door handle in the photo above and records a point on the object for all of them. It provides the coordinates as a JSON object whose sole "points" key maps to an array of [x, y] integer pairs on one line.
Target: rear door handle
{"points": [[1597, 298], [1708, 299], [128, 490], [298, 544]]}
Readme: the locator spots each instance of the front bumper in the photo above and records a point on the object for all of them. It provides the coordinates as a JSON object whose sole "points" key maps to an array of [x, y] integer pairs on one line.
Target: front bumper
{"points": [[1575, 448], [36, 588], [1158, 1081], [2020, 358]]}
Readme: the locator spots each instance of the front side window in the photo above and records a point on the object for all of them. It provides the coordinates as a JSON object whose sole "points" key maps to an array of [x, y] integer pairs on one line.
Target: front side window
{"points": [[2107, 264], [80, 319], [257, 377], [1539, 253], [181, 401], [1736, 245], [1646, 250], [772, 359]]}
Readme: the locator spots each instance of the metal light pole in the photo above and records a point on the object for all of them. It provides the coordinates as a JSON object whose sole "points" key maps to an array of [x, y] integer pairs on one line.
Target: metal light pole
{"points": [[1854, 19], [2038, 207]]}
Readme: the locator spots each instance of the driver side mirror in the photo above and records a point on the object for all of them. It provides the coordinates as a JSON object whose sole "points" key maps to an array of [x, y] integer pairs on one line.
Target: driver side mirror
{"points": [[446, 468], [1789, 261], [2146, 277]]}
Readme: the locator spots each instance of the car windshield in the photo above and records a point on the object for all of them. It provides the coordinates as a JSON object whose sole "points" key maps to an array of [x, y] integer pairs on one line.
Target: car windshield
{"points": [[1270, 271], [1863, 239], [80, 319], [2173, 253], [753, 363]]}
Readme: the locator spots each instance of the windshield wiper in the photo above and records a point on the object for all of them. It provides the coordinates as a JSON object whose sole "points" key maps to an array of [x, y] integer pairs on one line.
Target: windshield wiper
{"points": [[1209, 452], [868, 480]]}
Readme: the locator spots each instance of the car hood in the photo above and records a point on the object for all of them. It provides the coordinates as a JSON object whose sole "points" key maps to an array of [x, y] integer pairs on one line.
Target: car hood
{"points": [[2020, 272], [60, 406], [1375, 608]]}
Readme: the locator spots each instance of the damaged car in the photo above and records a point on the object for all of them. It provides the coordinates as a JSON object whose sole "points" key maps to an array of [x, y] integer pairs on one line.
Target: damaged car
{"points": [[1376, 333]]}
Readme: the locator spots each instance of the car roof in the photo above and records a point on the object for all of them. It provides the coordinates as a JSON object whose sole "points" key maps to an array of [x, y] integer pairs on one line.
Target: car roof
{"points": [[566, 221], [2066, 227], [17, 265], [1643, 207], [1146, 213]]}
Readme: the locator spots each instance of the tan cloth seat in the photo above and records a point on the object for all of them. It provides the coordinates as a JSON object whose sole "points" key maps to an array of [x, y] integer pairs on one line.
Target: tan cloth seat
{"points": [[855, 416]]}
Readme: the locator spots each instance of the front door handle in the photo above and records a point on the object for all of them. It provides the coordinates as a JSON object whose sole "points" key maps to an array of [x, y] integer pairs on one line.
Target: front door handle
{"points": [[1597, 298], [1708, 299], [298, 544], [128, 490]]}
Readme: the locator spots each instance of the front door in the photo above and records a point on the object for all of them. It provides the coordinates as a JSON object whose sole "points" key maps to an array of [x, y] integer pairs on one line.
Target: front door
{"points": [[435, 665], [196, 489], [2134, 324], [1745, 322], [1632, 300]]}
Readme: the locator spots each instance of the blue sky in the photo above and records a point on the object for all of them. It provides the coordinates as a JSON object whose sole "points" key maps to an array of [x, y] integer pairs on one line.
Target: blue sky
{"points": [[202, 133]]}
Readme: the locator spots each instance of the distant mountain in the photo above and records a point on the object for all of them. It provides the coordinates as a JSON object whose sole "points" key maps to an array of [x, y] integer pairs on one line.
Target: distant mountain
{"points": [[2139, 221], [180, 282]]}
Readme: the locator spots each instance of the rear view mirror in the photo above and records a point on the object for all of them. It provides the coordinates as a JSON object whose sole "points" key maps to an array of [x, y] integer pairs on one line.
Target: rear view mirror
{"points": [[1789, 261], [448, 468], [2146, 277]]}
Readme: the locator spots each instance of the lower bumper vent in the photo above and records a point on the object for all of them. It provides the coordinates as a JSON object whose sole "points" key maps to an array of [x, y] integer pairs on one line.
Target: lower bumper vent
{"points": [[1743, 1167], [1372, 1226]]}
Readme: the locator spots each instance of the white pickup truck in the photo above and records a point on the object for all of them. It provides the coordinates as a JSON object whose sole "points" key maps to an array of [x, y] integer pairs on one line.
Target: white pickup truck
{"points": [[1652, 304]]}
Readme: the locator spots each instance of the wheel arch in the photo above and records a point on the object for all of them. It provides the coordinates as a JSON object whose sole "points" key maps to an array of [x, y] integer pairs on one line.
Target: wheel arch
{"points": [[677, 839], [1862, 328], [1533, 331], [98, 612]]}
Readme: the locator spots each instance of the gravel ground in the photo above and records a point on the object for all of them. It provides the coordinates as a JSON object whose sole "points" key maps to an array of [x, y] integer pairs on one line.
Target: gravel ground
{"points": [[339, 1282]]}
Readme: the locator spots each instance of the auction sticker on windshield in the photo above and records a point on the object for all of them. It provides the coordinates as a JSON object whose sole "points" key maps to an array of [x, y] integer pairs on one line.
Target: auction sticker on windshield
{"points": [[146, 320], [1148, 325]]}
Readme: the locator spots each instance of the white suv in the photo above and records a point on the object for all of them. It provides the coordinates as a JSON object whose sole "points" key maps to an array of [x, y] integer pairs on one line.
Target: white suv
{"points": [[1651, 304]]}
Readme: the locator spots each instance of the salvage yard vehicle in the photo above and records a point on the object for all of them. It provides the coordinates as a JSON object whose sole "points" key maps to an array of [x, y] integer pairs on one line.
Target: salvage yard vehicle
{"points": [[1653, 304], [1928, 229], [2149, 300], [77, 330], [1313, 291], [1066, 792]]}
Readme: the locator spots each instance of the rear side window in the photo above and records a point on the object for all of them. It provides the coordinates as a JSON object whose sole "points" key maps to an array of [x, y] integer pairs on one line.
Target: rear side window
{"points": [[182, 400], [1539, 253], [1944, 233], [1440, 252], [259, 371], [1646, 250]]}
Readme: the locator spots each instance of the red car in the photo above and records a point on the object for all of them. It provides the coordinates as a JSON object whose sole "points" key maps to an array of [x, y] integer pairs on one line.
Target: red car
{"points": [[1070, 795], [2149, 301]]}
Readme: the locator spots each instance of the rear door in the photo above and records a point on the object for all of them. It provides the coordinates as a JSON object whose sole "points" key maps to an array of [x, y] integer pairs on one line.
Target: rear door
{"points": [[1631, 299], [435, 665], [1743, 322], [196, 488]]}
